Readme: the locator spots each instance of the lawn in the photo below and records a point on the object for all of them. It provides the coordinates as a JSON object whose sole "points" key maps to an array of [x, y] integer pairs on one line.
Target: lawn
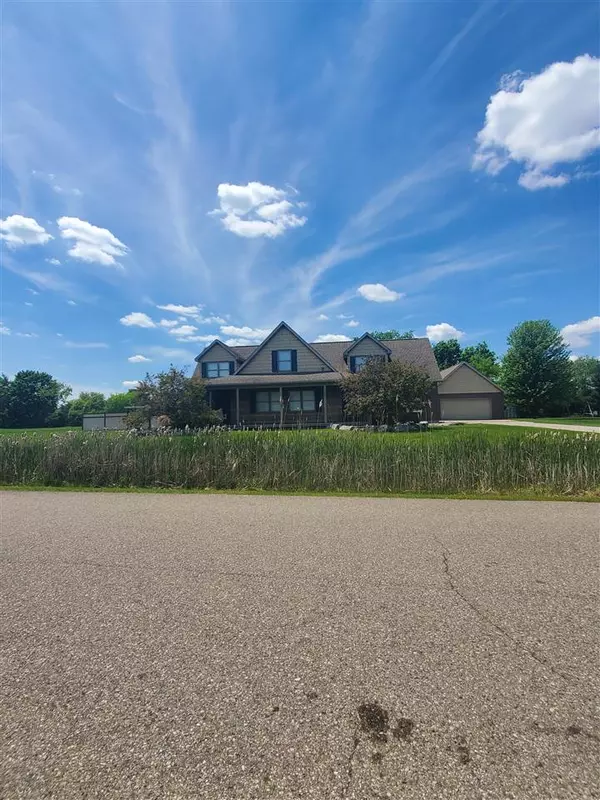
{"points": [[469, 459], [594, 421], [41, 431]]}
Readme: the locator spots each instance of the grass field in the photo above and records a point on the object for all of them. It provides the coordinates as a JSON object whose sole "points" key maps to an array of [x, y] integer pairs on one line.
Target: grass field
{"points": [[470, 460], [40, 431], [593, 421]]}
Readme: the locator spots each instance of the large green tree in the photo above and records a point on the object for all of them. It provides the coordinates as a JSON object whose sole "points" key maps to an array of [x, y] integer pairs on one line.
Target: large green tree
{"points": [[585, 373], [181, 399], [86, 403], [482, 358], [536, 371], [30, 398], [385, 392], [392, 334], [447, 353], [121, 402]]}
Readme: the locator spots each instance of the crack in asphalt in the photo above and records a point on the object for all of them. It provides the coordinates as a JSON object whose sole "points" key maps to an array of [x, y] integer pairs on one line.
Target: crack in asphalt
{"points": [[519, 645], [350, 763]]}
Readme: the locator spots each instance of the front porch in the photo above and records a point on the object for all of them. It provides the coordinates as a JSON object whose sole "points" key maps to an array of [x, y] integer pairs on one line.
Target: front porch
{"points": [[278, 406]]}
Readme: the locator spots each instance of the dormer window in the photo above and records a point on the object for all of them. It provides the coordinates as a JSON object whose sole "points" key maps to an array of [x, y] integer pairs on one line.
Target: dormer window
{"points": [[284, 361]]}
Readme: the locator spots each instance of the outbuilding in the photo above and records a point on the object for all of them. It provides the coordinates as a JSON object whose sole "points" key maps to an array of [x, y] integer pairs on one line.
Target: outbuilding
{"points": [[465, 393]]}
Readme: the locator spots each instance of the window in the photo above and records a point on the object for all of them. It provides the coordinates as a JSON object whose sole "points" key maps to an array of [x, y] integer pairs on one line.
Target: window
{"points": [[284, 361], [217, 369], [358, 362], [302, 400], [268, 401]]}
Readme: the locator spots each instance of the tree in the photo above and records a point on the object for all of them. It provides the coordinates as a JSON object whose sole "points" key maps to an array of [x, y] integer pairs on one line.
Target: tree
{"points": [[536, 371], [392, 334], [483, 359], [30, 399], [385, 391], [86, 403], [448, 353], [585, 373], [4, 402], [180, 398], [120, 402]]}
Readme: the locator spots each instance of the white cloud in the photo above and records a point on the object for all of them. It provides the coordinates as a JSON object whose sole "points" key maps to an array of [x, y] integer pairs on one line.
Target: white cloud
{"points": [[28, 304], [27, 335], [183, 330], [353, 324], [209, 337], [17, 231], [92, 244], [138, 359], [541, 121], [168, 323], [169, 352], [210, 320], [4, 331], [186, 311], [86, 345], [322, 317], [332, 337], [240, 342], [137, 319], [578, 334], [130, 384], [60, 334], [378, 293], [32, 291], [443, 331], [71, 303], [252, 335], [54, 261], [344, 316], [257, 210]]}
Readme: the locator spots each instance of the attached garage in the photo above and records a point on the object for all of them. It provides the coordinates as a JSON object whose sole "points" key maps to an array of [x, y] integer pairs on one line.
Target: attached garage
{"points": [[466, 408], [464, 393]]}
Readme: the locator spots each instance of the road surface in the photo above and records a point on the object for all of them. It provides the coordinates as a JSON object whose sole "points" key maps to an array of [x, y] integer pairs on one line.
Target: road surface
{"points": [[231, 647]]}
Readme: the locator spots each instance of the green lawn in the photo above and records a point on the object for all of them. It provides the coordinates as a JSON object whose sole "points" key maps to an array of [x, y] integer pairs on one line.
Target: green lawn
{"points": [[42, 431], [594, 421]]}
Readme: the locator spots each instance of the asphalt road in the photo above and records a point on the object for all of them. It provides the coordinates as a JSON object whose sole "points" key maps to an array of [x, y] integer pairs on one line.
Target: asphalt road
{"points": [[229, 647]]}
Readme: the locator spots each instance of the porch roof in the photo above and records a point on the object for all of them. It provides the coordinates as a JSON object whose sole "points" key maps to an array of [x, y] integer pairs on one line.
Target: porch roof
{"points": [[249, 381]]}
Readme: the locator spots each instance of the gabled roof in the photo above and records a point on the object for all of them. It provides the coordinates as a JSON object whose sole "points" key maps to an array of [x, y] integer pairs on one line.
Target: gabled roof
{"points": [[271, 335], [417, 351], [231, 352], [362, 338], [445, 373]]}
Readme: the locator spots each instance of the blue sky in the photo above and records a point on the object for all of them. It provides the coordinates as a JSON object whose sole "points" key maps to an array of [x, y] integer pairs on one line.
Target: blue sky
{"points": [[342, 166]]}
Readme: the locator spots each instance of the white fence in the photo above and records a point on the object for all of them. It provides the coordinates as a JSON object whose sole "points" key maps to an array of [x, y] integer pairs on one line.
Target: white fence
{"points": [[112, 421]]}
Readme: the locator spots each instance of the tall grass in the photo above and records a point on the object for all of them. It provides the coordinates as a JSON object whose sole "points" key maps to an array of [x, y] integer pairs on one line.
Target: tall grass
{"points": [[459, 460]]}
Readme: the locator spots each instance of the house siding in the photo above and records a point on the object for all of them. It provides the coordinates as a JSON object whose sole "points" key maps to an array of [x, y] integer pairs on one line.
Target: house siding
{"points": [[366, 348], [261, 364], [464, 380], [247, 416]]}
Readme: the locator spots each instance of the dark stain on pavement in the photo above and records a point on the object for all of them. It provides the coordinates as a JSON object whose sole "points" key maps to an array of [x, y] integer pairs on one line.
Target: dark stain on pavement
{"points": [[462, 748], [403, 729], [374, 720]]}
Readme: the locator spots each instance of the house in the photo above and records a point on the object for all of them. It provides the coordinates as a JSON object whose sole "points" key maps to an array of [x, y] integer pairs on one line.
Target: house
{"points": [[464, 393], [285, 379]]}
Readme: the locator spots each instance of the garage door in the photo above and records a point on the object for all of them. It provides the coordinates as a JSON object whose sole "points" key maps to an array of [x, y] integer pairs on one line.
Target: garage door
{"points": [[466, 408]]}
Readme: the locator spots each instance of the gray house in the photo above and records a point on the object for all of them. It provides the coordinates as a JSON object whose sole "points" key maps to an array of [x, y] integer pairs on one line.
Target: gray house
{"points": [[286, 379], [464, 393]]}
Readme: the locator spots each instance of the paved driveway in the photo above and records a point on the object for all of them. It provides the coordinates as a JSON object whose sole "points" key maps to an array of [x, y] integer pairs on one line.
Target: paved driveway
{"points": [[228, 647], [554, 426]]}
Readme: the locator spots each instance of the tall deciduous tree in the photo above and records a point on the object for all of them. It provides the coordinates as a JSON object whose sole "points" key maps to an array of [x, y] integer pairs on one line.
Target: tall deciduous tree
{"points": [[448, 353], [482, 358], [86, 403], [585, 372], [392, 334], [181, 399], [385, 392], [121, 402], [30, 398], [536, 371]]}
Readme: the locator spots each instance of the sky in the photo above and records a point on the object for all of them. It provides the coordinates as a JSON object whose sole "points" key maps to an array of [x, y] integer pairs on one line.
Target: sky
{"points": [[176, 172]]}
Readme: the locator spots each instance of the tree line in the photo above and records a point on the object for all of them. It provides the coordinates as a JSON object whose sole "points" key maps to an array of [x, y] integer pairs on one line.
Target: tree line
{"points": [[536, 374]]}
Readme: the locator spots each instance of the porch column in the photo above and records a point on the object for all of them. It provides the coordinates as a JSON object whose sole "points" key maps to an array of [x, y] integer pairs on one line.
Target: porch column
{"points": [[237, 406], [281, 407], [210, 405], [325, 403]]}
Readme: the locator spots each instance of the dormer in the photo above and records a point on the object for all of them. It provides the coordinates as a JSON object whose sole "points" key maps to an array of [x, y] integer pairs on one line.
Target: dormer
{"points": [[363, 349]]}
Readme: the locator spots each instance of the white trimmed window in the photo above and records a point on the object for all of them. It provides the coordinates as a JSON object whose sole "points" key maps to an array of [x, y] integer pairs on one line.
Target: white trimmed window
{"points": [[268, 401], [302, 400]]}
